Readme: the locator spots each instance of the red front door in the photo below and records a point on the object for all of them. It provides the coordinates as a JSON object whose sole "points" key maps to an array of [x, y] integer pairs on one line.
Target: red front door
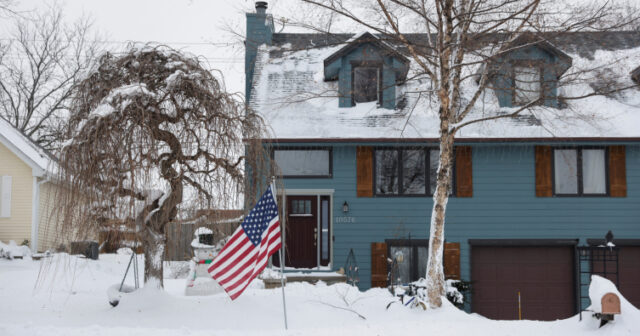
{"points": [[301, 232]]}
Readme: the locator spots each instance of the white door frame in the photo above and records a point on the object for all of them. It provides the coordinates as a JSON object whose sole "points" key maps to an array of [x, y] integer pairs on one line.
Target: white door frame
{"points": [[310, 192]]}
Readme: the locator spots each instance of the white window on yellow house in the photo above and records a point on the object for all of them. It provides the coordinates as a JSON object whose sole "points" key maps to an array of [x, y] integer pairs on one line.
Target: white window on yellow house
{"points": [[5, 197]]}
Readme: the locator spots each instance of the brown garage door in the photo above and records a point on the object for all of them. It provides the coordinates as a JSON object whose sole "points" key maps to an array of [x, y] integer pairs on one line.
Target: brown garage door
{"points": [[629, 271], [629, 263], [542, 275]]}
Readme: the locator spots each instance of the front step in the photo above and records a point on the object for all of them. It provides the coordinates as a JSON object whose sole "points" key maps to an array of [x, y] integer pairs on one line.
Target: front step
{"points": [[329, 278]]}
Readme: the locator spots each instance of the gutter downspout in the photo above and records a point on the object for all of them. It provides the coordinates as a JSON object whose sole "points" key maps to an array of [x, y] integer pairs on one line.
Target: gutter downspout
{"points": [[35, 213]]}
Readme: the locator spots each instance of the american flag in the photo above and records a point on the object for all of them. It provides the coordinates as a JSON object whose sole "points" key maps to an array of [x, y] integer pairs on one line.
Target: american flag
{"points": [[245, 255]]}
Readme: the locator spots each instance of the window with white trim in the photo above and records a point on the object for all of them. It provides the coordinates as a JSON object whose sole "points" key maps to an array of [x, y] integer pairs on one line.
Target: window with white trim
{"points": [[5, 196], [303, 162]]}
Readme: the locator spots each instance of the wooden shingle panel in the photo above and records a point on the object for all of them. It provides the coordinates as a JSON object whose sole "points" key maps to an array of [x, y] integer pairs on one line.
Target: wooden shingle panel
{"points": [[364, 166], [544, 185], [379, 265], [617, 171], [464, 172], [452, 261]]}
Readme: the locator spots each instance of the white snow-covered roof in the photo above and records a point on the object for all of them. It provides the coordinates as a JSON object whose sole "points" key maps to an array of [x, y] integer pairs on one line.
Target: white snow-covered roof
{"points": [[22, 146], [298, 105]]}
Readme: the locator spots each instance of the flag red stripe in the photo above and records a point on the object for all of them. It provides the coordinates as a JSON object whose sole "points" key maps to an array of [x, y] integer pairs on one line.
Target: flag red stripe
{"points": [[238, 281], [234, 259], [234, 275], [220, 259], [217, 273], [239, 261], [238, 240], [234, 296], [250, 275], [276, 248], [245, 280], [257, 271], [236, 235]]}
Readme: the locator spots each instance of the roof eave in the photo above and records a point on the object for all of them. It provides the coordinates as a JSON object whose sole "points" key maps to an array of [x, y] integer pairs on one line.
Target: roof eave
{"points": [[372, 39], [37, 169], [459, 140]]}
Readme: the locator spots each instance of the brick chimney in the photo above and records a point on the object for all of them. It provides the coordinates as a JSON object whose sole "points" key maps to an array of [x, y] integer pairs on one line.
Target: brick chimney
{"points": [[259, 31]]}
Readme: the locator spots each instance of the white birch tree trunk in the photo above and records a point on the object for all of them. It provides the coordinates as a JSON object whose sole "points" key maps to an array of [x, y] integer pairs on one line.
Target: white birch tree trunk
{"points": [[435, 271]]}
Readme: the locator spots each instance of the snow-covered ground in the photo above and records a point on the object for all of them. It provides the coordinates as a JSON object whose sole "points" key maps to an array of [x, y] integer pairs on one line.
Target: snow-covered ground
{"points": [[68, 297]]}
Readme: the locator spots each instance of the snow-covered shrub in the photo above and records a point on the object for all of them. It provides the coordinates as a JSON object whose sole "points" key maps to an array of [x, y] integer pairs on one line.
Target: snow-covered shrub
{"points": [[13, 250], [176, 269], [457, 291]]}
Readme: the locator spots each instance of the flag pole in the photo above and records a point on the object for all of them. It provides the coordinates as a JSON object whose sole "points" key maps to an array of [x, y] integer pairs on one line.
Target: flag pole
{"points": [[284, 302]]}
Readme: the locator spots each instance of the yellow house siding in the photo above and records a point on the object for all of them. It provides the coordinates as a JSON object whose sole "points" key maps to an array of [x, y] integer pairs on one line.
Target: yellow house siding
{"points": [[18, 226], [51, 234], [47, 228]]}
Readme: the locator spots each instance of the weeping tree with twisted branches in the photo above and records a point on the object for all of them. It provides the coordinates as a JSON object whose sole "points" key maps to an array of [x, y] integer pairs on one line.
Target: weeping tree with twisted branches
{"points": [[152, 133]]}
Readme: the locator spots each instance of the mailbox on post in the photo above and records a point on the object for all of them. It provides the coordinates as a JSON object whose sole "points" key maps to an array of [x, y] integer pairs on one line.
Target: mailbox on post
{"points": [[609, 306]]}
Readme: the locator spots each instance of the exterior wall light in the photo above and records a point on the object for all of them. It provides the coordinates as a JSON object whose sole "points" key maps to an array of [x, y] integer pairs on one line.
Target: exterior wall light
{"points": [[345, 207]]}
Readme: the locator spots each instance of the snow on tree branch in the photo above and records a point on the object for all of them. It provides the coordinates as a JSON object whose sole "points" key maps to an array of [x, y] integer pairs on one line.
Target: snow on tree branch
{"points": [[148, 130]]}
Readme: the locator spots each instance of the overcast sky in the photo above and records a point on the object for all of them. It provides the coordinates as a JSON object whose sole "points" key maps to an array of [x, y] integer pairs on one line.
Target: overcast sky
{"points": [[201, 27], [213, 29]]}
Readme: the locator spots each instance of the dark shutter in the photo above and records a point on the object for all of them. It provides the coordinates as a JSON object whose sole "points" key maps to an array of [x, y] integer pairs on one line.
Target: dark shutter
{"points": [[544, 187], [464, 172], [617, 172], [379, 265], [452, 261], [364, 163]]}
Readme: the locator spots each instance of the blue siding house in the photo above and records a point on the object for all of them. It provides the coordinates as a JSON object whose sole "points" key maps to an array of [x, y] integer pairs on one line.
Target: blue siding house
{"points": [[356, 143]]}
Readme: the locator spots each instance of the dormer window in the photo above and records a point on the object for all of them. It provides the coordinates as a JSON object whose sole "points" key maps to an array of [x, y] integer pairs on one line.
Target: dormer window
{"points": [[527, 84], [367, 70], [528, 73], [366, 84]]}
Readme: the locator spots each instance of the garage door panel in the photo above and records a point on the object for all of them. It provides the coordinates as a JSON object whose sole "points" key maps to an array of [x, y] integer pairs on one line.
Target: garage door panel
{"points": [[629, 258], [487, 294], [502, 271], [542, 275], [532, 273], [534, 292], [509, 310], [558, 273], [559, 293], [507, 293]]}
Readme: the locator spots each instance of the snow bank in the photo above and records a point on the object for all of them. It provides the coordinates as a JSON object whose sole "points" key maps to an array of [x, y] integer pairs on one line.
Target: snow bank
{"points": [[13, 250], [627, 321], [270, 274], [115, 292], [71, 301]]}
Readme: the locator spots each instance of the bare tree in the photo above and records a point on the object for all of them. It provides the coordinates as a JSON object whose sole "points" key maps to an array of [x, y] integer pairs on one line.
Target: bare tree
{"points": [[41, 62], [6, 7], [460, 49], [150, 130]]}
